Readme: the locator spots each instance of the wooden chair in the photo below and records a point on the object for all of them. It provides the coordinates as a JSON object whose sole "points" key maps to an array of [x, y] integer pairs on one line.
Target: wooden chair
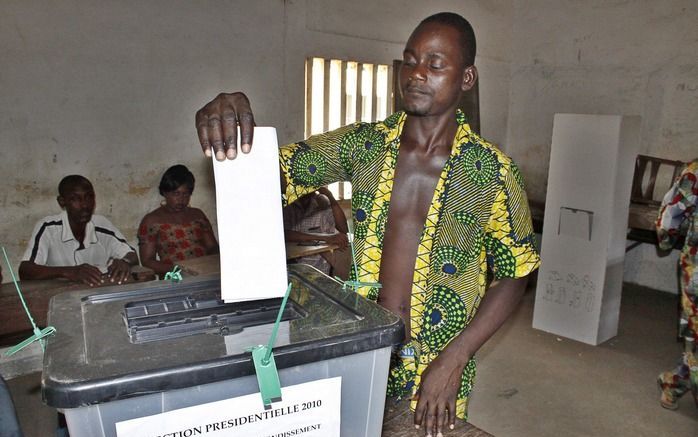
{"points": [[653, 177], [647, 196]]}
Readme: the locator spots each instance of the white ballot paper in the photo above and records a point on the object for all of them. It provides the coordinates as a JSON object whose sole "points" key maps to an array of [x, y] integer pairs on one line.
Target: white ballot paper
{"points": [[250, 223]]}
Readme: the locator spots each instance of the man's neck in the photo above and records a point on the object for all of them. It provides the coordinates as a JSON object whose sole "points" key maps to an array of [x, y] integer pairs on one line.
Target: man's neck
{"points": [[430, 134], [78, 230]]}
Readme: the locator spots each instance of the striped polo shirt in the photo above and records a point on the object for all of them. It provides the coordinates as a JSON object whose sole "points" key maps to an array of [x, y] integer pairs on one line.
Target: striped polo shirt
{"points": [[53, 244]]}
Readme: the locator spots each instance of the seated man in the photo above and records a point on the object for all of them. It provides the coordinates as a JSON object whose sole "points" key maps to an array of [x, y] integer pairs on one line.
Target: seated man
{"points": [[317, 217], [76, 244]]}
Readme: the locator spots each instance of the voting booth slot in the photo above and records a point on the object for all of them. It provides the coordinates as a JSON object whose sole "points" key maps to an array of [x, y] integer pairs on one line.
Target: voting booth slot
{"points": [[199, 312], [575, 222]]}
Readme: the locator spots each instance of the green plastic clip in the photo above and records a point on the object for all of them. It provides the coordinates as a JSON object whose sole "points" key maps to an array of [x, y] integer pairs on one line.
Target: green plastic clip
{"points": [[175, 275], [39, 334], [355, 284], [264, 364]]}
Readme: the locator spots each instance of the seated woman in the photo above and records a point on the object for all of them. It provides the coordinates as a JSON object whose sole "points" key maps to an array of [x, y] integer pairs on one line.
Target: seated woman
{"points": [[175, 231]]}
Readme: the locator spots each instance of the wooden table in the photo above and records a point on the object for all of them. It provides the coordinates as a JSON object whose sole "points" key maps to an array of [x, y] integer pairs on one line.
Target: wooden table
{"points": [[211, 263], [14, 324], [398, 421], [296, 250], [203, 265]]}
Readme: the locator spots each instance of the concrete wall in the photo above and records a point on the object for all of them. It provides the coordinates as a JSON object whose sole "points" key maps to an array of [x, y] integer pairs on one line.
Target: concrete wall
{"points": [[109, 89], [635, 57]]}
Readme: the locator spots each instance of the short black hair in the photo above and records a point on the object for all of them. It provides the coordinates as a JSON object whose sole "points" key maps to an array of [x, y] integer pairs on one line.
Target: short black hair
{"points": [[467, 34], [174, 177], [71, 181]]}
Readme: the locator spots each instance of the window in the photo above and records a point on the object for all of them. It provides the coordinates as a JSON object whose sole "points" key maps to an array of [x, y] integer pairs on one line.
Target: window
{"points": [[340, 92]]}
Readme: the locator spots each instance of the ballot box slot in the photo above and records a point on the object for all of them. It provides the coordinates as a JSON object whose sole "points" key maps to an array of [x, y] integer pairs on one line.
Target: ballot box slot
{"points": [[201, 313]]}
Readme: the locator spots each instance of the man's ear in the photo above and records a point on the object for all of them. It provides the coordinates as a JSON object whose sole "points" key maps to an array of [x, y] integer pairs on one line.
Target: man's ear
{"points": [[61, 201], [469, 78]]}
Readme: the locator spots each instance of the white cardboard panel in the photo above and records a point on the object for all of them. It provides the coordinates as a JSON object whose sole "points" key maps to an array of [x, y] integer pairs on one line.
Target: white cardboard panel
{"points": [[586, 212]]}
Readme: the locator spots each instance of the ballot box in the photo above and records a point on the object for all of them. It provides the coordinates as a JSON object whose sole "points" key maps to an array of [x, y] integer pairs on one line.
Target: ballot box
{"points": [[160, 351]]}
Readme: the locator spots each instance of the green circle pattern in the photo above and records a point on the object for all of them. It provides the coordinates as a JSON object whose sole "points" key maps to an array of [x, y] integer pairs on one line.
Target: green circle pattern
{"points": [[466, 384], [449, 261], [361, 206], [308, 168], [401, 379], [518, 177], [392, 120], [473, 234], [465, 218], [381, 222], [345, 153], [480, 165], [444, 317], [505, 260], [372, 294], [363, 145]]}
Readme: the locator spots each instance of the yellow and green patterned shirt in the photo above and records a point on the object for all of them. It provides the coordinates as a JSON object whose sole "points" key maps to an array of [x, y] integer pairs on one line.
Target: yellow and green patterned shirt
{"points": [[478, 224]]}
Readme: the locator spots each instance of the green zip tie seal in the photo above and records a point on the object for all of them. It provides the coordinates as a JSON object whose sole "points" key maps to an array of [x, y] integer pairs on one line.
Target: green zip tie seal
{"points": [[39, 334], [355, 284], [264, 364], [175, 275]]}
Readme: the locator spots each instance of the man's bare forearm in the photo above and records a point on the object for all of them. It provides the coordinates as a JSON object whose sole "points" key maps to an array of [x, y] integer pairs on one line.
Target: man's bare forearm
{"points": [[499, 302], [29, 270]]}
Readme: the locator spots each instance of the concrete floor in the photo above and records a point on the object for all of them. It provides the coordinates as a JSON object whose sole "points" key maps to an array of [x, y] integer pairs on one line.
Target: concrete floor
{"points": [[531, 383]]}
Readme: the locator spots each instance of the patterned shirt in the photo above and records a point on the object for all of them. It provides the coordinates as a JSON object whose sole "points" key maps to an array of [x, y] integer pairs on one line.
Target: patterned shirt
{"points": [[478, 222], [677, 217], [176, 242]]}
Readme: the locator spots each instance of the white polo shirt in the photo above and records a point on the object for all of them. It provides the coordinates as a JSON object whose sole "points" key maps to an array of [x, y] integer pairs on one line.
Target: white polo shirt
{"points": [[53, 243]]}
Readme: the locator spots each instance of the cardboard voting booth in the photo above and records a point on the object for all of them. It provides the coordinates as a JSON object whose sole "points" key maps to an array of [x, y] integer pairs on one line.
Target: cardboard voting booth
{"points": [[586, 212], [160, 359]]}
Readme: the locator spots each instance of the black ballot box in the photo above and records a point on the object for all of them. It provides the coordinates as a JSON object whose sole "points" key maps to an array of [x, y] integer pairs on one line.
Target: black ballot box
{"points": [[149, 349]]}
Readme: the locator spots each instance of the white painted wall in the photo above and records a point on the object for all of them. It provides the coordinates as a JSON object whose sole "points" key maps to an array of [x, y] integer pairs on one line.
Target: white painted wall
{"points": [[634, 57], [631, 57], [109, 89]]}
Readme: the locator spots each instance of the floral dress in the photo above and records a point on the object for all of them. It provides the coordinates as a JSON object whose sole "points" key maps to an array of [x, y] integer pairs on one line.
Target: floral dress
{"points": [[679, 216], [176, 242]]}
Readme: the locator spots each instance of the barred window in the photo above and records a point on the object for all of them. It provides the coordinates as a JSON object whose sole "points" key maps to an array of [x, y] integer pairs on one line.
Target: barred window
{"points": [[340, 92]]}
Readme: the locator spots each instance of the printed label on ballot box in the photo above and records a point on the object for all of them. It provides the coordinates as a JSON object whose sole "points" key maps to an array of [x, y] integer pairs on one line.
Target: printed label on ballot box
{"points": [[311, 409]]}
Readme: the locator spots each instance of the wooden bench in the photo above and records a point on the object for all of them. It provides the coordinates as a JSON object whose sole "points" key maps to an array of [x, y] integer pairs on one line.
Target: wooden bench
{"points": [[14, 324], [653, 177]]}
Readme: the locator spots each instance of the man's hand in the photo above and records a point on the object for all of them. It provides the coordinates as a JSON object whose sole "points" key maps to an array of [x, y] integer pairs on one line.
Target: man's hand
{"points": [[85, 273], [325, 191], [217, 123], [339, 239], [436, 398], [118, 271]]}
